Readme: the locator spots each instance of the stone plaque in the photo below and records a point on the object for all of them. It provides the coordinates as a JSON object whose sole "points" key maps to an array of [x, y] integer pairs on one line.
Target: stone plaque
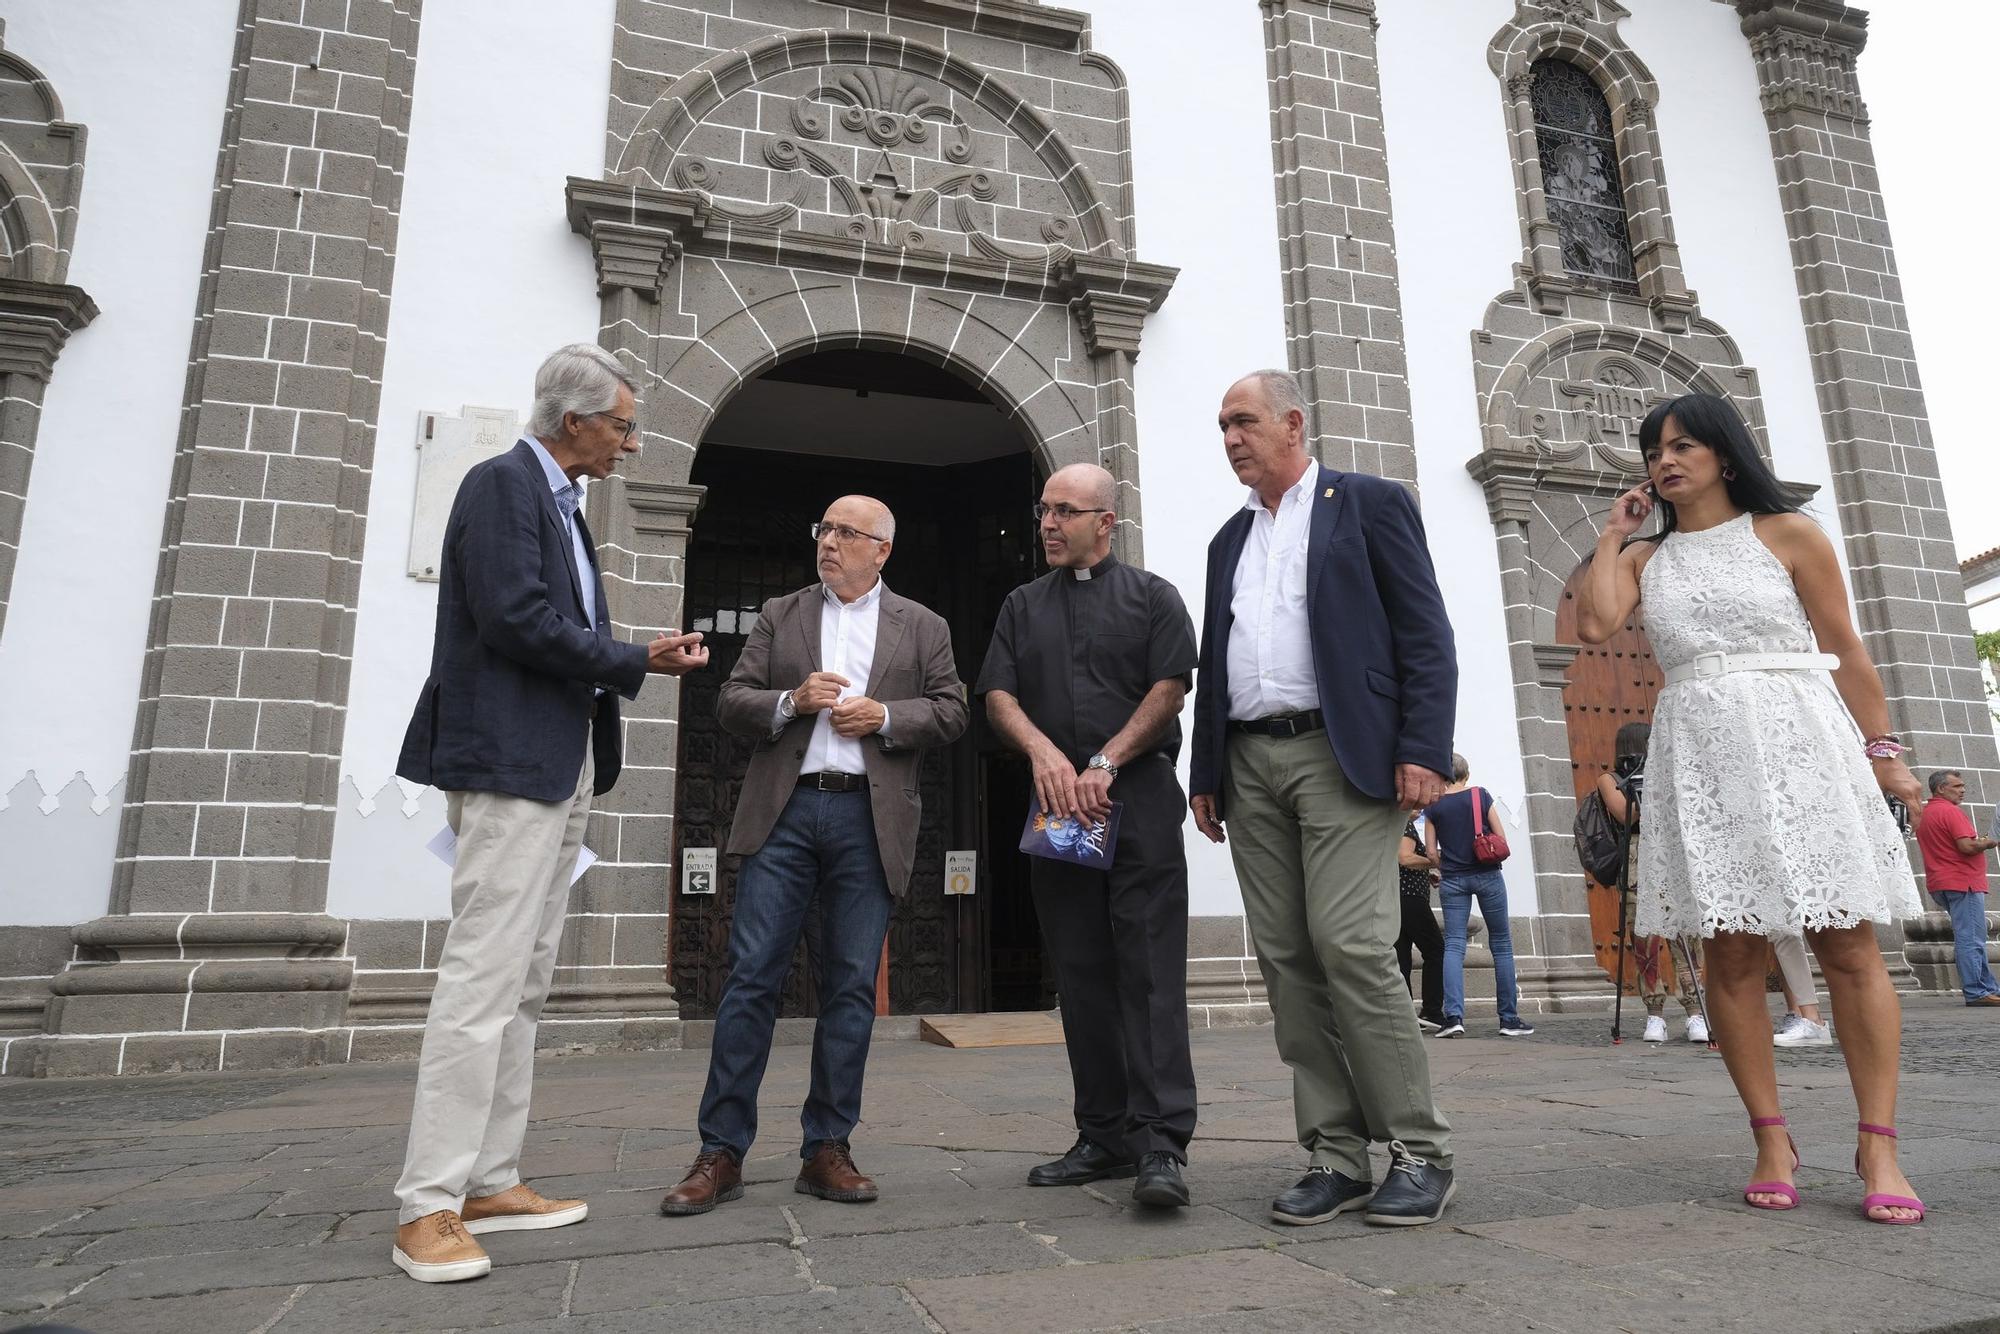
{"points": [[447, 447]]}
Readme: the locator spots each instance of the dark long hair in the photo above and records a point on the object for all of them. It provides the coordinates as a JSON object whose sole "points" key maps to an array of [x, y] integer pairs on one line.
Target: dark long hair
{"points": [[1631, 742], [1715, 422]]}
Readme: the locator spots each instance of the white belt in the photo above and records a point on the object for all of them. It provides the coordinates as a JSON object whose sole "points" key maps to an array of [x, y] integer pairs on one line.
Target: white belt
{"points": [[1716, 664]]}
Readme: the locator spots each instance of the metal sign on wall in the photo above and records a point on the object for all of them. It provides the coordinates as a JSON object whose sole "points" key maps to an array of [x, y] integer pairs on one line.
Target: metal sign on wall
{"points": [[447, 447], [961, 871]]}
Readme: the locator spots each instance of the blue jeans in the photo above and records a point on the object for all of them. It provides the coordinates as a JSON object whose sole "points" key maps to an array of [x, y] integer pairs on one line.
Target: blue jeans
{"points": [[824, 843], [1456, 893], [1968, 938]]}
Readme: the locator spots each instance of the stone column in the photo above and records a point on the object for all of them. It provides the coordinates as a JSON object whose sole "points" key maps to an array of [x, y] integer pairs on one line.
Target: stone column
{"points": [[36, 319], [1908, 596], [218, 919], [1343, 306]]}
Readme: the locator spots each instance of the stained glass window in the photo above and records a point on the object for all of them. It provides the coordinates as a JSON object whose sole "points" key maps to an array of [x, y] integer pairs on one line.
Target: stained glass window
{"points": [[1580, 174]]}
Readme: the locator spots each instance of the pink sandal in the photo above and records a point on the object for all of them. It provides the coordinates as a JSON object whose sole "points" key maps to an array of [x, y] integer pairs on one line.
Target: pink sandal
{"points": [[1879, 1201], [1784, 1188]]}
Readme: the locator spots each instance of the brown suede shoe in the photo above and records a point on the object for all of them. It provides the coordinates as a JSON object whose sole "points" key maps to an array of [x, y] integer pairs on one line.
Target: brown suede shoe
{"points": [[716, 1178], [831, 1174], [520, 1208], [436, 1249]]}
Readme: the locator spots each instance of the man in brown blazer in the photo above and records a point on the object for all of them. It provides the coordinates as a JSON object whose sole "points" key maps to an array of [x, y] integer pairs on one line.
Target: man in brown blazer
{"points": [[844, 684]]}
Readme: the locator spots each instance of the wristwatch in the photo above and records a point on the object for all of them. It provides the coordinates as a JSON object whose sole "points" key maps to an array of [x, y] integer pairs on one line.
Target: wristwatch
{"points": [[1098, 761], [786, 708]]}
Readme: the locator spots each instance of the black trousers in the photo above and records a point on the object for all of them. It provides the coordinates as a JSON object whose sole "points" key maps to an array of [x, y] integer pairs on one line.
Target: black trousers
{"points": [[1420, 929], [1118, 940]]}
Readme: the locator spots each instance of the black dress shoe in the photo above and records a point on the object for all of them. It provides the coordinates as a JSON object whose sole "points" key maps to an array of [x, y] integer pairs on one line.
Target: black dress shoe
{"points": [[1321, 1194], [1086, 1161], [1160, 1182], [1413, 1192]]}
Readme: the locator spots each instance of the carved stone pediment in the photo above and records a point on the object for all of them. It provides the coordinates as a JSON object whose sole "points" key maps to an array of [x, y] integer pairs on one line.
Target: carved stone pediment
{"points": [[882, 140]]}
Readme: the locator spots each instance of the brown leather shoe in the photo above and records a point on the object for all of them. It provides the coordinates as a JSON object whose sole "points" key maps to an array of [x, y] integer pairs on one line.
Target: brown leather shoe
{"points": [[436, 1249], [716, 1178], [520, 1208], [831, 1174], [1985, 1000]]}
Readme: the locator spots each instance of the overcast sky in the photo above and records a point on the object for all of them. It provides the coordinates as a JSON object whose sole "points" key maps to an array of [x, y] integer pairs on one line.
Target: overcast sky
{"points": [[1928, 79]]}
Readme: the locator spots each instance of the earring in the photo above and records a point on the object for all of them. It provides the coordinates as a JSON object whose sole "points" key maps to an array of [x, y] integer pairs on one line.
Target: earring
{"points": [[1729, 474]]}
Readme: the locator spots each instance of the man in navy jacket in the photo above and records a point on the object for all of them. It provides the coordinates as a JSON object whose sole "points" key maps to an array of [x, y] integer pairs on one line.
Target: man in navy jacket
{"points": [[1323, 712], [518, 725]]}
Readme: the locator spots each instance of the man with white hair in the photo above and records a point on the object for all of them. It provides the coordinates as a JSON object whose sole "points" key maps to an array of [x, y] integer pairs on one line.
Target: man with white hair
{"points": [[1327, 691], [518, 725]]}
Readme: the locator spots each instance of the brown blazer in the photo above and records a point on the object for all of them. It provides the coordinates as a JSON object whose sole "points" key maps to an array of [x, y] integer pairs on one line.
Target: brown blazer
{"points": [[913, 675]]}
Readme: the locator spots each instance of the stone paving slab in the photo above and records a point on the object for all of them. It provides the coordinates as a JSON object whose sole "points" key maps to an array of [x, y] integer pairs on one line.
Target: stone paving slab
{"points": [[1598, 1191]]}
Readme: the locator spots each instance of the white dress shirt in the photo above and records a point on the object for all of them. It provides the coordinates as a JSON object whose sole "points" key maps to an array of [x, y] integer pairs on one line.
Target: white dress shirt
{"points": [[559, 483], [1270, 642], [847, 647]]}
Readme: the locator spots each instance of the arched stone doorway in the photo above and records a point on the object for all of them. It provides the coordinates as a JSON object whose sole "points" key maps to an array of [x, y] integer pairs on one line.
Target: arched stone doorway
{"points": [[813, 192], [960, 475]]}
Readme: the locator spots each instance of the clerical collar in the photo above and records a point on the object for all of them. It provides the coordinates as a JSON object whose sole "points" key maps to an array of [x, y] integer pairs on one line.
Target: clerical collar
{"points": [[1081, 574]]}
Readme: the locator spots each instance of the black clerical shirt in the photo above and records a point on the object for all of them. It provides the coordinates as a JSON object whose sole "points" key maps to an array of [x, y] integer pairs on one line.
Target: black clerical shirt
{"points": [[1080, 648]]}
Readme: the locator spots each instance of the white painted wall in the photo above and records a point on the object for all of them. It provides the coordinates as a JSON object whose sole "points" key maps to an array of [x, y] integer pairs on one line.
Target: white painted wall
{"points": [[489, 280], [1201, 163], [1458, 237], [149, 81]]}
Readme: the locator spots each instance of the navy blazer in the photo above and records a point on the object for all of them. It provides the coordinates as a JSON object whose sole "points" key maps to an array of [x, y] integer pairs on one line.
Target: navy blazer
{"points": [[1382, 646], [515, 666]]}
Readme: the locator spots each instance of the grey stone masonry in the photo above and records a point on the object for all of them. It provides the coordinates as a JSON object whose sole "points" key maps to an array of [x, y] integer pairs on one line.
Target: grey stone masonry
{"points": [[1908, 594], [1343, 307], [217, 920], [41, 178]]}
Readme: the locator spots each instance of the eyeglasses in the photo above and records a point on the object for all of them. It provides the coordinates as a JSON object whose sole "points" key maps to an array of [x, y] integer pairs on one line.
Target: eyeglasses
{"points": [[629, 427], [1063, 513], [843, 532]]}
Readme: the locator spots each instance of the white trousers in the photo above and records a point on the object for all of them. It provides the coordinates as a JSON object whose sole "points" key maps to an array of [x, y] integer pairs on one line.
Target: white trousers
{"points": [[1792, 962], [508, 890]]}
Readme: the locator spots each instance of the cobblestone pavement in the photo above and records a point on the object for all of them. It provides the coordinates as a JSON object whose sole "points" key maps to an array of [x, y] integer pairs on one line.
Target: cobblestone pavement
{"points": [[1598, 1192]]}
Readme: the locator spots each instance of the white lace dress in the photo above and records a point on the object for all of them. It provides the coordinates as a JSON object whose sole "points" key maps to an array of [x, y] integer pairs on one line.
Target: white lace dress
{"points": [[1760, 813]]}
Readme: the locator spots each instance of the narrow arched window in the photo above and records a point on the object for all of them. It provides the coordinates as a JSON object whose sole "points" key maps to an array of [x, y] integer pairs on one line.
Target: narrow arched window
{"points": [[1580, 174]]}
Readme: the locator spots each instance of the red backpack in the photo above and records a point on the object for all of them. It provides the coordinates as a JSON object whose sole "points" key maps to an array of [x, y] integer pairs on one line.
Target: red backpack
{"points": [[1489, 845]]}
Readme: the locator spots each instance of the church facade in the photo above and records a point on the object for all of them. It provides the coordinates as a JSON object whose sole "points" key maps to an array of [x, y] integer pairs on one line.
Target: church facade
{"points": [[276, 272]]}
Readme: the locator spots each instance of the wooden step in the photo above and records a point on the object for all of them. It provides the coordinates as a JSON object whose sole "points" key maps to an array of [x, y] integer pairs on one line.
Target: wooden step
{"points": [[1018, 1029]]}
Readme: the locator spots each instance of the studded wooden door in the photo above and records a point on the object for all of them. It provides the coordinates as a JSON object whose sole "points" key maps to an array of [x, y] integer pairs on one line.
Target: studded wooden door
{"points": [[1609, 685]]}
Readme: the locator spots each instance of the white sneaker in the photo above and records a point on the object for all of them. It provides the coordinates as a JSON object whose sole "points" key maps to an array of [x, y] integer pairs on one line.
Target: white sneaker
{"points": [[1805, 1033], [1656, 1029], [1697, 1029], [1783, 1028]]}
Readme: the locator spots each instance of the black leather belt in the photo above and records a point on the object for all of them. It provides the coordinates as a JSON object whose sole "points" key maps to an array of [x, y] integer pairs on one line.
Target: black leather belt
{"points": [[832, 780], [1281, 724]]}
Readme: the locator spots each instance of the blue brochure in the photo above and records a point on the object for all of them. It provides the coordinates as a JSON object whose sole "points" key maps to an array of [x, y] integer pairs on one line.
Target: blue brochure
{"points": [[1068, 839]]}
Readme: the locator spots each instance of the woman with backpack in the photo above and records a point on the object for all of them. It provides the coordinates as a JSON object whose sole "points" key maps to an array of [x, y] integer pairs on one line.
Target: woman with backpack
{"points": [[1770, 755], [1464, 837]]}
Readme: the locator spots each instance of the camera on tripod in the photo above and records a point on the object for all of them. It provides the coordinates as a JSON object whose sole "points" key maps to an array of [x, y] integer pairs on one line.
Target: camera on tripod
{"points": [[1630, 773]]}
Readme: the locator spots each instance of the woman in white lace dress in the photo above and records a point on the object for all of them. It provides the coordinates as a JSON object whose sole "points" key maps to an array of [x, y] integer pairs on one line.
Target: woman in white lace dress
{"points": [[1763, 806]]}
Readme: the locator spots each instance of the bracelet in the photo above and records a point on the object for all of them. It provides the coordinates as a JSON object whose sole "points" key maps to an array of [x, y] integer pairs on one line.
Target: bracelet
{"points": [[1883, 748]]}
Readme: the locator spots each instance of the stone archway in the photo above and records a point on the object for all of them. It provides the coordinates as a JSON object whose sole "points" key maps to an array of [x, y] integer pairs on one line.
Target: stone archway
{"points": [[810, 191]]}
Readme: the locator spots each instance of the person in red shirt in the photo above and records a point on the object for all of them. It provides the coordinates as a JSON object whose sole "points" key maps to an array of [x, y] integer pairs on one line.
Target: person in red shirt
{"points": [[1955, 874]]}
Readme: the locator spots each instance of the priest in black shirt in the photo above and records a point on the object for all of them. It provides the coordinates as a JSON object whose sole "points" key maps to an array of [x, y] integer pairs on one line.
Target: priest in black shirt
{"points": [[1085, 676]]}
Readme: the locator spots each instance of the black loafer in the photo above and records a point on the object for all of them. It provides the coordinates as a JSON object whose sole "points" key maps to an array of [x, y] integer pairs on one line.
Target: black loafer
{"points": [[1160, 1182], [1321, 1194], [1085, 1162], [1413, 1192]]}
